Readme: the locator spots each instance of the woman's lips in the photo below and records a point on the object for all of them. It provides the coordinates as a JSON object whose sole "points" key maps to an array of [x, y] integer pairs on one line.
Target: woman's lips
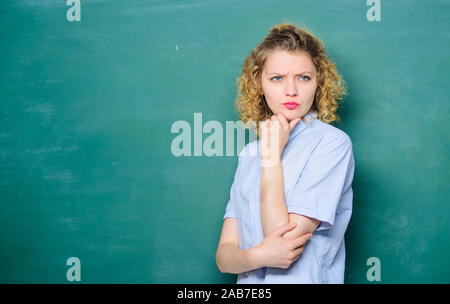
{"points": [[290, 105]]}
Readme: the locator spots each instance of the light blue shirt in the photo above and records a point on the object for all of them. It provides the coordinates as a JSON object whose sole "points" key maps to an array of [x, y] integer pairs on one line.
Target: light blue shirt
{"points": [[318, 168]]}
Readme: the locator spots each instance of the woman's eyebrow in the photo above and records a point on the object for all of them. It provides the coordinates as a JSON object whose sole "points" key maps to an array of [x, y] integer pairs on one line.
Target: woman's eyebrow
{"points": [[280, 74]]}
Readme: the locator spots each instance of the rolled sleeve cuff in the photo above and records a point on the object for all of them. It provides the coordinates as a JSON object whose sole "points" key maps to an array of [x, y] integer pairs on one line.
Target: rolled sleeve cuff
{"points": [[326, 220]]}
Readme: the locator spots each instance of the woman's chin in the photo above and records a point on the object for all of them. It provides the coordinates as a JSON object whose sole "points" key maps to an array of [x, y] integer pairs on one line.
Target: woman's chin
{"points": [[289, 115], [292, 117]]}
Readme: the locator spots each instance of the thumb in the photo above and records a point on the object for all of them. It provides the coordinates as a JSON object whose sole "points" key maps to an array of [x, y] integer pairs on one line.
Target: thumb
{"points": [[279, 231], [293, 123]]}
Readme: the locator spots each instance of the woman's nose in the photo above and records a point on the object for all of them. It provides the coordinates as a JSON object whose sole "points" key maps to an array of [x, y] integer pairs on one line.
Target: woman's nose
{"points": [[291, 89]]}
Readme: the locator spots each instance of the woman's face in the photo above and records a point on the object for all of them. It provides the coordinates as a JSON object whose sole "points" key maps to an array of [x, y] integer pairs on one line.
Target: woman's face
{"points": [[289, 77]]}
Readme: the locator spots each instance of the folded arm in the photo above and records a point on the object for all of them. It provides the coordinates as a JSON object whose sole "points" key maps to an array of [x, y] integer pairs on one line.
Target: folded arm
{"points": [[272, 251]]}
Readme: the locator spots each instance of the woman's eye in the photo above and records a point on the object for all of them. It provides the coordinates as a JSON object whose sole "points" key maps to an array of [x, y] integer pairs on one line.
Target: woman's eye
{"points": [[277, 78]]}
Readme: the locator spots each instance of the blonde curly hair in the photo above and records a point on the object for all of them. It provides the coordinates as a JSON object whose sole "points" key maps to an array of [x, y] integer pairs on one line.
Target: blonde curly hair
{"points": [[331, 87]]}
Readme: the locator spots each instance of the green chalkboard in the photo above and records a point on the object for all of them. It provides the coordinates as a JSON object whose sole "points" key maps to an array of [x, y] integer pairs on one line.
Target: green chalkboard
{"points": [[89, 95]]}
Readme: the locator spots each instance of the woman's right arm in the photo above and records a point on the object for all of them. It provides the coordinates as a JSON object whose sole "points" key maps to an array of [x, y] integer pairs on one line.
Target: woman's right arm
{"points": [[273, 251]]}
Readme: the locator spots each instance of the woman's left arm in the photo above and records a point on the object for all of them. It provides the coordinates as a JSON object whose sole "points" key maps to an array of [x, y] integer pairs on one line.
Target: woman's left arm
{"points": [[273, 208]]}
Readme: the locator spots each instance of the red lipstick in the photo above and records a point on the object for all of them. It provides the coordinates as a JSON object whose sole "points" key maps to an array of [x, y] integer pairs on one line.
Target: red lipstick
{"points": [[291, 105]]}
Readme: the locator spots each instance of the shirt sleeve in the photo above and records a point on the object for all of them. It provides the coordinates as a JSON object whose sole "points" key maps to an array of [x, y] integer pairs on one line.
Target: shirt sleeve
{"points": [[325, 177], [230, 210]]}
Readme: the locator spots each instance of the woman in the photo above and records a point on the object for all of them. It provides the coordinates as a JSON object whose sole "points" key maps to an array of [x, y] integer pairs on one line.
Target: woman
{"points": [[290, 204]]}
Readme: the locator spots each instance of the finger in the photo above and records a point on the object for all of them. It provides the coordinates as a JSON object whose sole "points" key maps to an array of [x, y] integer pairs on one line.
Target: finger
{"points": [[262, 128], [298, 252], [262, 123], [266, 130], [279, 231], [267, 124], [270, 127], [283, 121], [297, 257], [276, 124], [273, 120], [293, 123], [264, 133], [301, 241]]}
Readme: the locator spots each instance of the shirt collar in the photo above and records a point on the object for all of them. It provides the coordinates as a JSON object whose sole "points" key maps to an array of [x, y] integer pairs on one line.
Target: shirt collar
{"points": [[302, 124]]}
